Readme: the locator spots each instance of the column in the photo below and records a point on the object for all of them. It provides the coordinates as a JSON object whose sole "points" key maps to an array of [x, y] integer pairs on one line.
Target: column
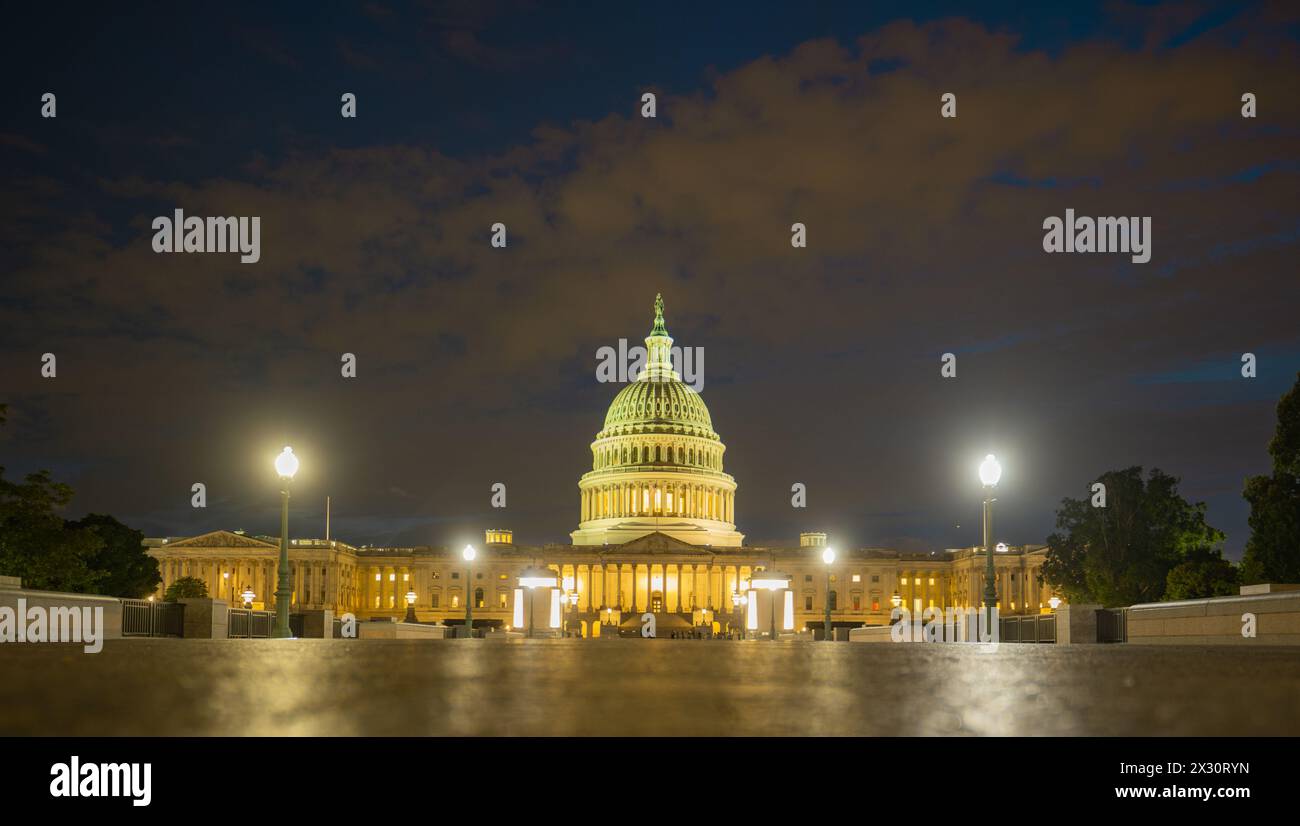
{"points": [[679, 587], [633, 587]]}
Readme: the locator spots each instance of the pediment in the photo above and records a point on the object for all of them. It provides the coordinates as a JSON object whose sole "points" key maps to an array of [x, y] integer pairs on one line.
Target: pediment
{"points": [[661, 543], [220, 539]]}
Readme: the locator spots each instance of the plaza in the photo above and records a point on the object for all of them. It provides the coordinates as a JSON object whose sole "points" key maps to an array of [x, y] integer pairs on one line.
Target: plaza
{"points": [[633, 687]]}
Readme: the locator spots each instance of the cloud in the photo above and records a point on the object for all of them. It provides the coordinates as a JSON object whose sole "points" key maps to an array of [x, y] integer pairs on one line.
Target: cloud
{"points": [[922, 240]]}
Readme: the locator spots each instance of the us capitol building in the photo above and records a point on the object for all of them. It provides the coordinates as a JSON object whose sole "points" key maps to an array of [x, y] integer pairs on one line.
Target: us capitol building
{"points": [[657, 533]]}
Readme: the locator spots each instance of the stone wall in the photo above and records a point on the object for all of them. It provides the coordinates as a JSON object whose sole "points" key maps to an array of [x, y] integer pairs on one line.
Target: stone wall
{"points": [[1218, 621]]}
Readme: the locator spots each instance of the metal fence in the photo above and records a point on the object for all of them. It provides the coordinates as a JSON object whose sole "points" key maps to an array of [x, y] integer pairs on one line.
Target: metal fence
{"points": [[246, 624], [1112, 625], [142, 618], [1030, 628]]}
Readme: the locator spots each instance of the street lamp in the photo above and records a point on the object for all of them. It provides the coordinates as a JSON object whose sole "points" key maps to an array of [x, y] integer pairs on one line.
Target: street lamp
{"points": [[828, 556], [411, 596], [286, 464], [533, 578], [1055, 602], [469, 553], [990, 473], [248, 596], [573, 604], [737, 600], [226, 576]]}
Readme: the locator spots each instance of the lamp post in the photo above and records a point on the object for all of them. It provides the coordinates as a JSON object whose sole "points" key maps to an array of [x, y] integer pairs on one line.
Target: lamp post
{"points": [[286, 464], [736, 601], [828, 556], [248, 596], [573, 604], [411, 597], [469, 553], [226, 576], [1055, 602], [990, 472]]}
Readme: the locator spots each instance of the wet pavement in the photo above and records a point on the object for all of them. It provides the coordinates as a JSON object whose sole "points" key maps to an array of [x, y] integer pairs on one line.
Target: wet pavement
{"points": [[632, 687]]}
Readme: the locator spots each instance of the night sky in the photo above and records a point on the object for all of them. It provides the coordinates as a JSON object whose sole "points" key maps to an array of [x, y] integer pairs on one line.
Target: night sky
{"points": [[477, 365]]}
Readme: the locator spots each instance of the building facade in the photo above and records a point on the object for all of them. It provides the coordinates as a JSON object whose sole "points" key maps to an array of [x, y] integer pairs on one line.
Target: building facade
{"points": [[656, 533]]}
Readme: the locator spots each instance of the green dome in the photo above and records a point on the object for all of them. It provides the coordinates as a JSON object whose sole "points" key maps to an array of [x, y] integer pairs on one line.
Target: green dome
{"points": [[660, 406]]}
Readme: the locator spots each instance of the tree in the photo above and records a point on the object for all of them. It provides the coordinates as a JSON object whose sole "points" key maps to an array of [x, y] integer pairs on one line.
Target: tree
{"points": [[128, 571], [1273, 550], [34, 542], [187, 587], [95, 554], [1122, 554], [1205, 574]]}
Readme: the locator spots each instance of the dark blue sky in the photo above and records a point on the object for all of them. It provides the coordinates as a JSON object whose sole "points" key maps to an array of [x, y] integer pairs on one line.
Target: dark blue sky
{"points": [[821, 368]]}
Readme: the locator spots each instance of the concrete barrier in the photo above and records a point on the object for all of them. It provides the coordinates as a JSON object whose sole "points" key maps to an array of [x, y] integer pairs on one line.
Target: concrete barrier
{"points": [[1218, 621], [11, 591], [870, 633], [402, 631], [206, 619], [1076, 624]]}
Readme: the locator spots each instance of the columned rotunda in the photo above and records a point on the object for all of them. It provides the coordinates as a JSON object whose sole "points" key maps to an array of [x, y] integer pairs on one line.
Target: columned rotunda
{"points": [[657, 462]]}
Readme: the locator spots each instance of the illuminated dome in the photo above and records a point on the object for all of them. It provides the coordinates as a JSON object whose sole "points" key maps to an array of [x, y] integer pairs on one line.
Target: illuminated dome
{"points": [[667, 406], [657, 463]]}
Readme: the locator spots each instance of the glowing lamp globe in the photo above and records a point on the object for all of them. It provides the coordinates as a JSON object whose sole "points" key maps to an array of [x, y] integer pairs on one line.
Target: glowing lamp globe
{"points": [[990, 470], [1001, 547], [828, 556], [286, 464], [1055, 602], [469, 553]]}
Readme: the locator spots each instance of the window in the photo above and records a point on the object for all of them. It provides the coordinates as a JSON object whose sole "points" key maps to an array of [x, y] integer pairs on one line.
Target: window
{"points": [[480, 576], [478, 598], [392, 577], [455, 574], [807, 577], [501, 576], [406, 577], [875, 605], [501, 598], [857, 577], [931, 580], [833, 601], [455, 600], [807, 603], [857, 602], [875, 577], [433, 600], [904, 580]]}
